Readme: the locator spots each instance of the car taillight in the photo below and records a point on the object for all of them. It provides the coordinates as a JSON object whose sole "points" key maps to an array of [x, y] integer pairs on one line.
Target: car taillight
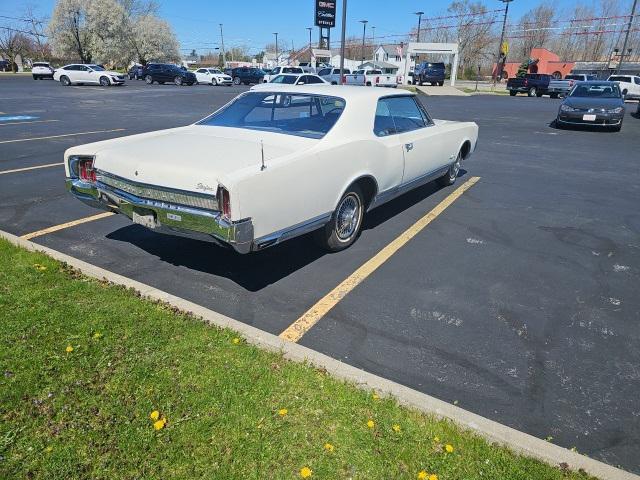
{"points": [[377, 79], [86, 171], [526, 82], [224, 202], [344, 79]]}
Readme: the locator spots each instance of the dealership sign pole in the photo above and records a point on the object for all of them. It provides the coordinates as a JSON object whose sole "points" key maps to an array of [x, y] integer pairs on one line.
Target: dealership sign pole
{"points": [[344, 29]]}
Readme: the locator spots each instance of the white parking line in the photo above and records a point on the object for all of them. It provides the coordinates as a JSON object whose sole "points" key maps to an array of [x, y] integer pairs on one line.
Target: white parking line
{"points": [[32, 121], [16, 170], [60, 136]]}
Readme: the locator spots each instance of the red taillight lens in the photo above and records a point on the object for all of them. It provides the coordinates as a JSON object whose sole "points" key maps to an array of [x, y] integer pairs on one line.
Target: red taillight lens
{"points": [[377, 79], [344, 79], [86, 171], [224, 202], [526, 82]]}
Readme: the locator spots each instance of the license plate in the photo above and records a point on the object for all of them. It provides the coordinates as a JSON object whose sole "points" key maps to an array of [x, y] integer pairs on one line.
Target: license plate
{"points": [[148, 221], [589, 118]]}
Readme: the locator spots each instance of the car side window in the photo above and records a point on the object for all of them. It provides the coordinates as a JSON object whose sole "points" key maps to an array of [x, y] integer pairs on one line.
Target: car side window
{"points": [[406, 114], [201, 70], [82, 68], [324, 71], [313, 79], [384, 125], [637, 80]]}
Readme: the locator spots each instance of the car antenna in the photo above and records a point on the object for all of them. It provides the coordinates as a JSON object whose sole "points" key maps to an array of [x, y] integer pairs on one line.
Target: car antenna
{"points": [[263, 167]]}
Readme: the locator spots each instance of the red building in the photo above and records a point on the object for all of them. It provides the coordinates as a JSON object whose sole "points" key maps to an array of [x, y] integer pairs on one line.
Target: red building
{"points": [[547, 62]]}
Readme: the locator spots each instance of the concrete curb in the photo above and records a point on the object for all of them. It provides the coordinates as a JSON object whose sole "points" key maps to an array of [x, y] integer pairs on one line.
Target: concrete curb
{"points": [[492, 431]]}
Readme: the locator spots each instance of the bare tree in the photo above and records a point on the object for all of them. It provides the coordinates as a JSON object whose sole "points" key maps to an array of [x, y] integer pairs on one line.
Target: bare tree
{"points": [[535, 27], [14, 43]]}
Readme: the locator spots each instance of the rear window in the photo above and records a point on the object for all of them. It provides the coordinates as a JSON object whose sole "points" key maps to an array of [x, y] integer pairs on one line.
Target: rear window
{"points": [[573, 77], [302, 115], [620, 79], [40, 64], [292, 70], [286, 79]]}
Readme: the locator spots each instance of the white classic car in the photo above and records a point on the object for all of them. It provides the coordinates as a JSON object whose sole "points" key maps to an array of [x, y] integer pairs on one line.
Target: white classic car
{"points": [[213, 76], [89, 73], [273, 164]]}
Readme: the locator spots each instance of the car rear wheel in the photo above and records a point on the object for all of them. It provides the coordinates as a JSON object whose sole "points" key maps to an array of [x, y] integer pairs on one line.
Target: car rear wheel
{"points": [[177, 81], [346, 222], [236, 80], [513, 93], [450, 177], [554, 95], [104, 81], [148, 79], [214, 82], [533, 91], [539, 94], [64, 80], [441, 83]]}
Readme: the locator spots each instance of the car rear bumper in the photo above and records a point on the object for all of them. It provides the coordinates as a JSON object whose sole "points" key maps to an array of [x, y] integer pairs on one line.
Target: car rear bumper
{"points": [[166, 218]]}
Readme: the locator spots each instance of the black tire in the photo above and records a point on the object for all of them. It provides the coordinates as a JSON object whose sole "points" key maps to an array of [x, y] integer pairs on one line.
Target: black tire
{"points": [[554, 95], [450, 177], [148, 80], [533, 91], [35, 77], [64, 80], [236, 81], [329, 237], [513, 93], [539, 94], [441, 83], [617, 128], [135, 76], [558, 125], [189, 84], [334, 83], [178, 81], [214, 82], [104, 81]]}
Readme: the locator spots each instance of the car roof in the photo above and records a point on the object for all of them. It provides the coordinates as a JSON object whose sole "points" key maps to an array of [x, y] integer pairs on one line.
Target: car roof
{"points": [[344, 91], [598, 82]]}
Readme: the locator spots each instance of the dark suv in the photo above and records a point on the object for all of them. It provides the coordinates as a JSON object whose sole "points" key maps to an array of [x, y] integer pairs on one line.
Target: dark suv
{"points": [[164, 73], [429, 72], [247, 75]]}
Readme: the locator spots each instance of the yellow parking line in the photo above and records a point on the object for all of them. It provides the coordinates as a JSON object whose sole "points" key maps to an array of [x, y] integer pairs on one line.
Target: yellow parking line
{"points": [[60, 136], [32, 121], [16, 170], [301, 326], [62, 226]]}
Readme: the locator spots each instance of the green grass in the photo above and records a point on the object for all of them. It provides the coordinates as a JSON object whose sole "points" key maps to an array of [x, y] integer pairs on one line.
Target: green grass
{"points": [[499, 91], [85, 413]]}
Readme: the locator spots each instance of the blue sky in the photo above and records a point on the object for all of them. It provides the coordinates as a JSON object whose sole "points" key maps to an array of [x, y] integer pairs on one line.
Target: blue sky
{"points": [[252, 22]]}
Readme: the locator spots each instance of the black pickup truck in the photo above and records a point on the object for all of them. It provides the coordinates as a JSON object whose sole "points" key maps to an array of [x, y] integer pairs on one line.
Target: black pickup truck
{"points": [[533, 84]]}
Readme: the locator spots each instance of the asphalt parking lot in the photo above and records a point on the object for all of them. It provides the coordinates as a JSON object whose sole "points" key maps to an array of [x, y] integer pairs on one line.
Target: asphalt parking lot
{"points": [[520, 302]]}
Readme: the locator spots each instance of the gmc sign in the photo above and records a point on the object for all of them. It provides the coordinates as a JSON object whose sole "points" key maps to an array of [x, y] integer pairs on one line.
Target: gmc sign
{"points": [[326, 13]]}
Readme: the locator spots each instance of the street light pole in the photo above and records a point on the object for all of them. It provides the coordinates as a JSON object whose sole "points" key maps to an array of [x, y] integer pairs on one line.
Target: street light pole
{"points": [[626, 36], [224, 55], [276, 34], [500, 62], [310, 56], [343, 35], [419, 25], [373, 44], [364, 32]]}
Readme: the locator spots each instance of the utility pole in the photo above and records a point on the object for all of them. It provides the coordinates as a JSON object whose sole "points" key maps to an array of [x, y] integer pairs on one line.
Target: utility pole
{"points": [[419, 25], [224, 55], [276, 34], [373, 43], [500, 62], [310, 56], [344, 30], [626, 36], [364, 32]]}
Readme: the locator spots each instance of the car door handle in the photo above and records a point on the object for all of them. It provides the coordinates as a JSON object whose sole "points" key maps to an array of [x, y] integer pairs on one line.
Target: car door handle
{"points": [[408, 146]]}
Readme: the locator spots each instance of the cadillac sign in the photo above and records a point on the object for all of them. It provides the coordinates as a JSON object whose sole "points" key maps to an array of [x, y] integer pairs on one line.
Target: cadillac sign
{"points": [[326, 13]]}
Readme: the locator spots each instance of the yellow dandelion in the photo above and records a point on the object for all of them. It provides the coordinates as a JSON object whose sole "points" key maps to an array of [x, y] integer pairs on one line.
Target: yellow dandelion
{"points": [[371, 424], [39, 267], [433, 476], [396, 428], [97, 335], [49, 449], [306, 472], [69, 349], [159, 424], [436, 439], [282, 412], [449, 448], [422, 475], [236, 341], [155, 415], [375, 396], [328, 447]]}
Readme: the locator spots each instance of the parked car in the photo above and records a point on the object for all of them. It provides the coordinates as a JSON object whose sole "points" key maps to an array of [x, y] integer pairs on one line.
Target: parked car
{"points": [[270, 165], [594, 103], [280, 70], [332, 75], [40, 70], [212, 76], [5, 66], [167, 73], [371, 77], [429, 72], [247, 75], [135, 72], [91, 73], [532, 84], [307, 67], [291, 79], [629, 85]]}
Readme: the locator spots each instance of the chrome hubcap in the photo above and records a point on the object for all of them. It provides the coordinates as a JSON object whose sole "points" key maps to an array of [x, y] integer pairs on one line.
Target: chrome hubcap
{"points": [[348, 217]]}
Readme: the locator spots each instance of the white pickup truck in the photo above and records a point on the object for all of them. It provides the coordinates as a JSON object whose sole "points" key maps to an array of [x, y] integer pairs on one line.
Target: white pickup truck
{"points": [[332, 75], [371, 78], [280, 70]]}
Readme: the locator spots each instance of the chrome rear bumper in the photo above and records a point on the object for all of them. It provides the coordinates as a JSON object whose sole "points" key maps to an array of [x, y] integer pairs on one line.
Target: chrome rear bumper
{"points": [[165, 217]]}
